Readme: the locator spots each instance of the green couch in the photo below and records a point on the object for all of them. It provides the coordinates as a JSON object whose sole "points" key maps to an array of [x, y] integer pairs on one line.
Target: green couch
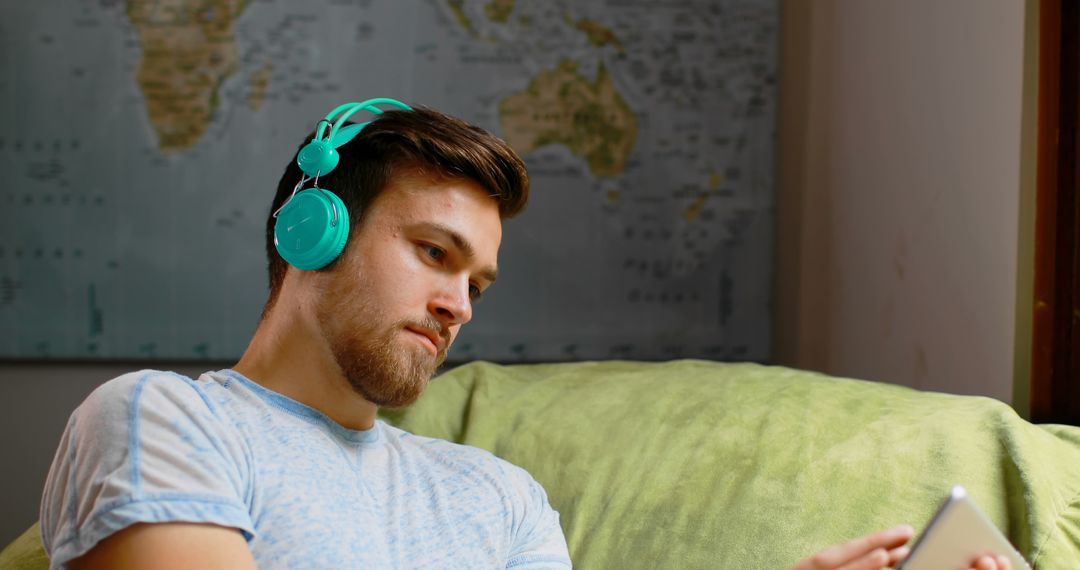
{"points": [[692, 464]]}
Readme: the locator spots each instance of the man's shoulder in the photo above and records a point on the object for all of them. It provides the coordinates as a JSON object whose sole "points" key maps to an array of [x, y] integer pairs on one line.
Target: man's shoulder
{"points": [[144, 447], [130, 393], [126, 384]]}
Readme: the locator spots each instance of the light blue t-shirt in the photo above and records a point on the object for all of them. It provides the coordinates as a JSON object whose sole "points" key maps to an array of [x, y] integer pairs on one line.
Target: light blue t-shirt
{"points": [[306, 492]]}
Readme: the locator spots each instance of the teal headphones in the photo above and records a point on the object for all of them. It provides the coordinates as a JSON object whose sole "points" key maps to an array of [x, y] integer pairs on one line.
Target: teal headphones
{"points": [[313, 225]]}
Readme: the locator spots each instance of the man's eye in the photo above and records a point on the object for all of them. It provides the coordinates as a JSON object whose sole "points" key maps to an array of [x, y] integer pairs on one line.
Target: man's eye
{"points": [[475, 292], [435, 252]]}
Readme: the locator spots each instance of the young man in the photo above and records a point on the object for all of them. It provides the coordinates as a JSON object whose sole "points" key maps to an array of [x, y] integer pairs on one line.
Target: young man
{"points": [[280, 462]]}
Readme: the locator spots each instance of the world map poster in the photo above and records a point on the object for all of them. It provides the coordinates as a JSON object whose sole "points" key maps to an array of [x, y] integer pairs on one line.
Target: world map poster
{"points": [[142, 142]]}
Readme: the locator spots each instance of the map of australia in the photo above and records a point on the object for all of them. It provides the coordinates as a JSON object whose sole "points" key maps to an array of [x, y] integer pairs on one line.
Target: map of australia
{"points": [[561, 106]]}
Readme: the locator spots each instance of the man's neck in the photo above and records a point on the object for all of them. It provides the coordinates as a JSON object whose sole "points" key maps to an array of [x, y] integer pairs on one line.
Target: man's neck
{"points": [[288, 355]]}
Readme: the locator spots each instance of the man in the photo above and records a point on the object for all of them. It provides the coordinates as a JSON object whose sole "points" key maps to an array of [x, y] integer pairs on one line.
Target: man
{"points": [[280, 461]]}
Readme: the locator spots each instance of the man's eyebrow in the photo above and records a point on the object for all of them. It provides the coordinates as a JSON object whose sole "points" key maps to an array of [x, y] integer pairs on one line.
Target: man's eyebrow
{"points": [[490, 274]]}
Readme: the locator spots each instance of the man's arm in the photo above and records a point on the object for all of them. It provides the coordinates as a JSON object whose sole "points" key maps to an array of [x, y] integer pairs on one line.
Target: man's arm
{"points": [[144, 449], [167, 546]]}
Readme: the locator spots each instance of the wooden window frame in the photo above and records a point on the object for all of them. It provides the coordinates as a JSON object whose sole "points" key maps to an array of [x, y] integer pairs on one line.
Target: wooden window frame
{"points": [[1055, 366]]}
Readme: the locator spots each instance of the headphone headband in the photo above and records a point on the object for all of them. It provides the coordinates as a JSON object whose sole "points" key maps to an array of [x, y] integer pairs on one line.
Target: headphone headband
{"points": [[312, 226], [320, 156]]}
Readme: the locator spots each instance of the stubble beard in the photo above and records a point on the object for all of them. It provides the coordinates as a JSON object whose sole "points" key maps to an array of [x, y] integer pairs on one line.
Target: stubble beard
{"points": [[377, 365], [371, 355], [383, 372]]}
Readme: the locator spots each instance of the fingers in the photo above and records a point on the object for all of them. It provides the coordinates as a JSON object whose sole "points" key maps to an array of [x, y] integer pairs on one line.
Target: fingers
{"points": [[877, 559], [874, 560], [872, 551], [836, 556], [991, 563], [898, 555]]}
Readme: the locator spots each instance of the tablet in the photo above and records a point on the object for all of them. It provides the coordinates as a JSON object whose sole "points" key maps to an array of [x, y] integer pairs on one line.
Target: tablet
{"points": [[957, 535]]}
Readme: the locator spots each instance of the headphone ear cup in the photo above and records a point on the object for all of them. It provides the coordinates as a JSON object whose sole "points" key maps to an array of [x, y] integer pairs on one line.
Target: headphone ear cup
{"points": [[317, 158], [311, 230]]}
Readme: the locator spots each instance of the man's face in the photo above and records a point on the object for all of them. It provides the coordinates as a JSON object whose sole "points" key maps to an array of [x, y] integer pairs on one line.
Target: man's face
{"points": [[395, 303]]}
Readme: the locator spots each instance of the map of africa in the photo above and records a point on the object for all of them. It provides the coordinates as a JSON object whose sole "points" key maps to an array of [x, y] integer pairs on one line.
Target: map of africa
{"points": [[143, 140]]}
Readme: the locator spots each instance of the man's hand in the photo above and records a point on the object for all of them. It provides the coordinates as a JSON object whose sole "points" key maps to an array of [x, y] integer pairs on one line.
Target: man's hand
{"points": [[871, 552], [882, 550]]}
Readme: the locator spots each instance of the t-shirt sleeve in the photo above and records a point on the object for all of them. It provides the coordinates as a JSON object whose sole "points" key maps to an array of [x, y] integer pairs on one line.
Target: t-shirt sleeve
{"points": [[146, 447], [538, 542]]}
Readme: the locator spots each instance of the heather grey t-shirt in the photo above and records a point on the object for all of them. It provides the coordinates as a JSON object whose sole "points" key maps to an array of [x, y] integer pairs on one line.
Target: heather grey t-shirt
{"points": [[306, 492]]}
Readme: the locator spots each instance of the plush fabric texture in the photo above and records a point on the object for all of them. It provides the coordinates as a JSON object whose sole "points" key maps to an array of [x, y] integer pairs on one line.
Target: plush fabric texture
{"points": [[692, 464], [25, 552]]}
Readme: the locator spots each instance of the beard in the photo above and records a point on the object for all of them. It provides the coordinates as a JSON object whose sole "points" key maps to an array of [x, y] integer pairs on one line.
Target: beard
{"points": [[381, 370], [372, 358]]}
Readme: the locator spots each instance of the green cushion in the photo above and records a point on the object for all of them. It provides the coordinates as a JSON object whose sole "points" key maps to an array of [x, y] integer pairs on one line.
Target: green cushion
{"points": [[25, 553], [692, 464]]}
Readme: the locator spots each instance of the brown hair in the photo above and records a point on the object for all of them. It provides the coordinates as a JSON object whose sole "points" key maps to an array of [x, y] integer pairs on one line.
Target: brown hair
{"points": [[424, 138]]}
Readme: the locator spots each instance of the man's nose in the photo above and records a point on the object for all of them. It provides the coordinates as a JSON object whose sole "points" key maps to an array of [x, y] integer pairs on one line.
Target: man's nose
{"points": [[452, 304]]}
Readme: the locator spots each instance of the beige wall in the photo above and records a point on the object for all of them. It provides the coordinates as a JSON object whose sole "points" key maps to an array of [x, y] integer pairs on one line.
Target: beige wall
{"points": [[899, 190]]}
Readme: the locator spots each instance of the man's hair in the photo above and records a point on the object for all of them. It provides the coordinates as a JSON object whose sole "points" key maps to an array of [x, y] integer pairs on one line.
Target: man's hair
{"points": [[396, 141]]}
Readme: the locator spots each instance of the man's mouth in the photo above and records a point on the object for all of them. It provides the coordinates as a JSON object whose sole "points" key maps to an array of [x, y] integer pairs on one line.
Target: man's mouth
{"points": [[432, 339]]}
